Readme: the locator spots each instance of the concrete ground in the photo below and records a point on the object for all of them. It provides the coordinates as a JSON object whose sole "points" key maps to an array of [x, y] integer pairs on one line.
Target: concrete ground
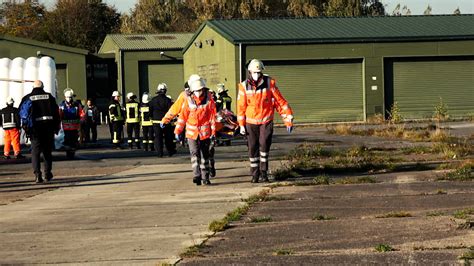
{"points": [[130, 207]]}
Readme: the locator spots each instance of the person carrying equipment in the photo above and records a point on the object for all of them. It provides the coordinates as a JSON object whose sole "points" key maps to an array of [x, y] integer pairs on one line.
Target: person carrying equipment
{"points": [[198, 117], [116, 118], [132, 120], [70, 113], [147, 123], [257, 99], [11, 124]]}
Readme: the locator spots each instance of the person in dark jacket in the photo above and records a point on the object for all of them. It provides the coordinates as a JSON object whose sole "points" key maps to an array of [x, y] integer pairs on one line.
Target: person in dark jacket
{"points": [[159, 105], [91, 120], [10, 121], [116, 119], [39, 115], [146, 123]]}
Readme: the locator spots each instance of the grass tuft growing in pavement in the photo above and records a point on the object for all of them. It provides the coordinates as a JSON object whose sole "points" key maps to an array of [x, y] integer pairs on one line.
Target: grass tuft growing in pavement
{"points": [[224, 223], [384, 248], [320, 217], [400, 214], [219, 225], [463, 214], [358, 180], [282, 252], [468, 256], [435, 213], [321, 180], [263, 219], [463, 173], [193, 251]]}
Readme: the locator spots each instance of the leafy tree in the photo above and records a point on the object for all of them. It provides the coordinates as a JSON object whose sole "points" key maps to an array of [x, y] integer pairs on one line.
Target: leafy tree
{"points": [[23, 19], [81, 23], [303, 8]]}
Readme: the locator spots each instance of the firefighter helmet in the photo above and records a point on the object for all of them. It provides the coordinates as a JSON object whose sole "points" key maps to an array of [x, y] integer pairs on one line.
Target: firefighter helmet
{"points": [[256, 66], [10, 100], [68, 92], [131, 95], [145, 98], [192, 78], [115, 94], [221, 88], [162, 88]]}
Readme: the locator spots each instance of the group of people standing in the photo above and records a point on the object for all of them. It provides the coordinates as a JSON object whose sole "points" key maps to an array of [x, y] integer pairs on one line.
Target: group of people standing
{"points": [[195, 110]]}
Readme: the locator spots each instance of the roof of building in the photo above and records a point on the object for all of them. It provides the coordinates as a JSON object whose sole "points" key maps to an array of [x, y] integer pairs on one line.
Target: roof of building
{"points": [[44, 44], [164, 41], [343, 29]]}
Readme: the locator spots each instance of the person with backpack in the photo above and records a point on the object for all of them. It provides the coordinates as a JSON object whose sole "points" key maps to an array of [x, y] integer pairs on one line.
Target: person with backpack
{"points": [[39, 116], [10, 121]]}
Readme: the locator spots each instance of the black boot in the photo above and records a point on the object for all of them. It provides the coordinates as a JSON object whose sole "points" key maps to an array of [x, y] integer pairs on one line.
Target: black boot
{"points": [[212, 172], [48, 176], [197, 180], [138, 145], [264, 177], [152, 147], [254, 179], [38, 178], [145, 146], [130, 146]]}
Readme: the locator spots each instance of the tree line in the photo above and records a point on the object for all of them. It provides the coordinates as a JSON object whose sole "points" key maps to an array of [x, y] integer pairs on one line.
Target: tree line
{"points": [[85, 23]]}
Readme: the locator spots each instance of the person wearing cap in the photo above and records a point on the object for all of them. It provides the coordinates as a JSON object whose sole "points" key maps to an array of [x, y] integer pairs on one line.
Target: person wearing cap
{"points": [[146, 123], [116, 119], [39, 116], [224, 101], [92, 119], [159, 106], [198, 117], [132, 120], [11, 124], [70, 113], [258, 97]]}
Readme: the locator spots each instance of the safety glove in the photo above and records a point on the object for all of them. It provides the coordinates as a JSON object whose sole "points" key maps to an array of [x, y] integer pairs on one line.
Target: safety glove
{"points": [[289, 129], [243, 131], [162, 125]]}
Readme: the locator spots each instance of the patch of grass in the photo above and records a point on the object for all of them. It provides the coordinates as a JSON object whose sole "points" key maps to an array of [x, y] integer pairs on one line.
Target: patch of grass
{"points": [[321, 180], [193, 251], [357, 180], [463, 173], [463, 214], [384, 248], [321, 217], [375, 119], [284, 173], [236, 214], [441, 192], [263, 219], [435, 213], [282, 252], [257, 197], [342, 129], [232, 216], [416, 150], [468, 255], [219, 225], [400, 214], [439, 136]]}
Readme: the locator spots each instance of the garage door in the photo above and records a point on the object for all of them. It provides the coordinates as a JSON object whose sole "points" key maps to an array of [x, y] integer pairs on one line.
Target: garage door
{"points": [[155, 72], [321, 91], [419, 85], [61, 79]]}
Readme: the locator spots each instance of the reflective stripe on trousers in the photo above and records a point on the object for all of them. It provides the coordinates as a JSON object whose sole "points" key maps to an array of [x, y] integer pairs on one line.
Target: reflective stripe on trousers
{"points": [[199, 150], [259, 142]]}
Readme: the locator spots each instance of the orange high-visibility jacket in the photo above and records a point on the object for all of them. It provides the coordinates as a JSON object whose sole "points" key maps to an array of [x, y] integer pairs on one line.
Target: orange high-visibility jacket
{"points": [[198, 116], [255, 105], [175, 109]]}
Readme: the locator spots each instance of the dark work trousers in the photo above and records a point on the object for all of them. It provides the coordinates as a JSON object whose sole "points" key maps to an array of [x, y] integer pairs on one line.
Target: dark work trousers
{"points": [[259, 141], [199, 150], [212, 151], [42, 142], [133, 128], [71, 138], [164, 135], [111, 130], [117, 127], [148, 137], [88, 129]]}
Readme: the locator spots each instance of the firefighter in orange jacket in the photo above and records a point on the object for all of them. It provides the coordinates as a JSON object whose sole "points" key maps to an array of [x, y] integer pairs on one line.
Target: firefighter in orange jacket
{"points": [[258, 97], [198, 116]]}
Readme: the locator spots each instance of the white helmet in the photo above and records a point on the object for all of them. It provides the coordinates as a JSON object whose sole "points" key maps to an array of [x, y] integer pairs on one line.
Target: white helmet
{"points": [[130, 95], [256, 66], [145, 98], [68, 92], [162, 87], [10, 100], [192, 78], [115, 94], [221, 88], [197, 85]]}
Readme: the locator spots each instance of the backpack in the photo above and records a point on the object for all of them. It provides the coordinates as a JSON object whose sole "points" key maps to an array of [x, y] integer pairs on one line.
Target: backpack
{"points": [[26, 115]]}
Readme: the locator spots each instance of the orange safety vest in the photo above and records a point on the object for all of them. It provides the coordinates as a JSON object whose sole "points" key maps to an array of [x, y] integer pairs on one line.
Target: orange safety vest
{"points": [[255, 105], [174, 109], [198, 117]]}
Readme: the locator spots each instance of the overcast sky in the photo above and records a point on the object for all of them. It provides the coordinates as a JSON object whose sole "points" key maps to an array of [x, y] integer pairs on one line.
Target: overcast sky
{"points": [[416, 6]]}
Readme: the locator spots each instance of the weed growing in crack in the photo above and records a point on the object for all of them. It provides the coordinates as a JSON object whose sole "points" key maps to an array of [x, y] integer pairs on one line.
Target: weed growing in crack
{"points": [[463, 214], [463, 173], [282, 252], [263, 219], [321, 217], [400, 214], [384, 248]]}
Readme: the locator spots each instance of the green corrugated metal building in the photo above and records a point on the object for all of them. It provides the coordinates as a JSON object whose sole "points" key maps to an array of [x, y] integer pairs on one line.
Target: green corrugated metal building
{"points": [[145, 60], [346, 69], [70, 62]]}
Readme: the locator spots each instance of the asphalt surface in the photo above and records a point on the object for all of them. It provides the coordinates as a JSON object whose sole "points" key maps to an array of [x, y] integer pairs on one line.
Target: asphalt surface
{"points": [[130, 207]]}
